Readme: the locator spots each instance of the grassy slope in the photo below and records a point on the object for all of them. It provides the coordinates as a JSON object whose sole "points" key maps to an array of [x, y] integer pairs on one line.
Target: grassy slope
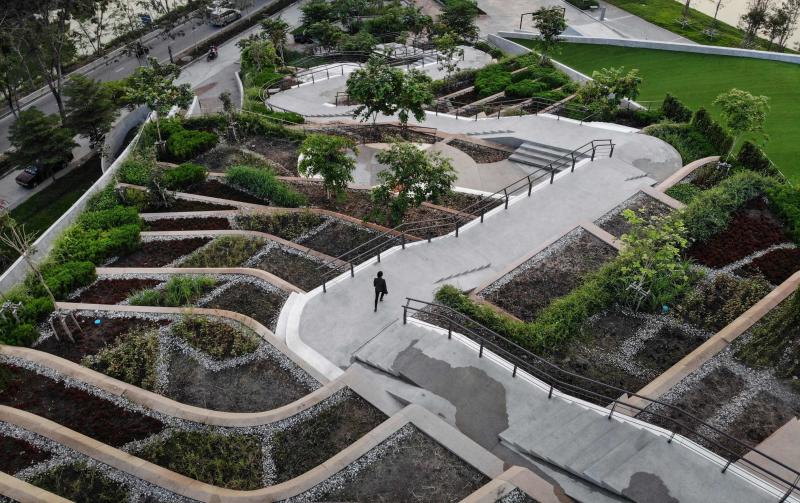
{"points": [[696, 79]]}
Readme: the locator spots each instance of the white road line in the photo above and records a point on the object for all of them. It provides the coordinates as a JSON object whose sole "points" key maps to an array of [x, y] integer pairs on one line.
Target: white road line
{"points": [[119, 69]]}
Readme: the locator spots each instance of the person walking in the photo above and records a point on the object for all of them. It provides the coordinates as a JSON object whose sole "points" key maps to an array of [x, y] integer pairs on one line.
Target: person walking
{"points": [[380, 289]]}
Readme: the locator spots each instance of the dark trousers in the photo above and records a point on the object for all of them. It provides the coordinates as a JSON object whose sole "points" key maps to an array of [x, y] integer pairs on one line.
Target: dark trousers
{"points": [[378, 296]]}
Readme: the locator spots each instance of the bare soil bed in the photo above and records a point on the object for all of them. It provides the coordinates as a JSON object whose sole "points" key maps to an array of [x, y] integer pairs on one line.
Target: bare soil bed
{"points": [[215, 188], [383, 134], [180, 205], [415, 468], [94, 337], [114, 290], [552, 273], [259, 385], [645, 206], [286, 225], [16, 455], [283, 152], [480, 153], [776, 266], [248, 299], [189, 224], [313, 441], [339, 238], [160, 253], [73, 408], [754, 227], [468, 203], [298, 270]]}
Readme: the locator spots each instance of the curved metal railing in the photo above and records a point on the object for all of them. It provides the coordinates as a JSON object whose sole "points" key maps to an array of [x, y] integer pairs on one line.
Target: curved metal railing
{"points": [[548, 373], [415, 230]]}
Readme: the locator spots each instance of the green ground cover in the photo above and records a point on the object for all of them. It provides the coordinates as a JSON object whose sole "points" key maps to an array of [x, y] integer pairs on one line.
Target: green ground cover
{"points": [[696, 79]]}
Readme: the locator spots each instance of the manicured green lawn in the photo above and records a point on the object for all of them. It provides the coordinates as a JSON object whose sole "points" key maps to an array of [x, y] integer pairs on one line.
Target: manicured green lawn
{"points": [[43, 209], [696, 79]]}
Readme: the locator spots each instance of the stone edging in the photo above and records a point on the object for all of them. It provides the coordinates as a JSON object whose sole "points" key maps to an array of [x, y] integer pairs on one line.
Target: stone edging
{"points": [[718, 342], [238, 232], [257, 273], [167, 406], [433, 426], [22, 491], [515, 477], [682, 173], [664, 198], [252, 324]]}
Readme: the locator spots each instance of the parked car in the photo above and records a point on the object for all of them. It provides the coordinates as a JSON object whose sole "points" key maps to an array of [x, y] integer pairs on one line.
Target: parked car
{"points": [[34, 175]]}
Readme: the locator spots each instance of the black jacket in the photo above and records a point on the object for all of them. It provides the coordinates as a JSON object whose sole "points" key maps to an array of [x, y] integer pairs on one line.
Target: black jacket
{"points": [[380, 285]]}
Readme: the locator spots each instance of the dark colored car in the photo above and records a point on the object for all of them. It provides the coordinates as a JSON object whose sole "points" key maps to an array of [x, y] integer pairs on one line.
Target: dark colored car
{"points": [[34, 175]]}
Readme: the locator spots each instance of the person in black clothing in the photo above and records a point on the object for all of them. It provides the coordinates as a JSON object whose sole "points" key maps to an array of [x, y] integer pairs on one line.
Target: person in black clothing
{"points": [[380, 288]]}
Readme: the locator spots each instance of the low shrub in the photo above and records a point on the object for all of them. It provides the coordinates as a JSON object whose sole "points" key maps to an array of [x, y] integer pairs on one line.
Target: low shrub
{"points": [[553, 95], [714, 304], [116, 216], [138, 167], [775, 342], [690, 143], [525, 89], [684, 192], [215, 338], [491, 80], [64, 278], [179, 291], [95, 245], [785, 201], [674, 110], [186, 144], [105, 199], [32, 310], [715, 134], [135, 198], [210, 123], [554, 79], [184, 176], [488, 49], [21, 335], [263, 184], [634, 118], [286, 225], [750, 156], [132, 359], [225, 251]]}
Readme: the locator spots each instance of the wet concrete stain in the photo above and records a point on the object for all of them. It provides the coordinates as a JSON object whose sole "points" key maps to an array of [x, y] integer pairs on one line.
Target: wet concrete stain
{"points": [[480, 401], [647, 488]]}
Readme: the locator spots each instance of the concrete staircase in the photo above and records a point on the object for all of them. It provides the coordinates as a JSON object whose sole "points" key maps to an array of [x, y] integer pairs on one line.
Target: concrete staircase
{"points": [[540, 155]]}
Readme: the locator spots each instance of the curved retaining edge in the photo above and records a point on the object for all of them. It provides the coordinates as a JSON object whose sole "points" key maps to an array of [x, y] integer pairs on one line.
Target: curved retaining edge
{"points": [[719, 341], [445, 434], [682, 173], [237, 232], [167, 406], [515, 477], [21, 491], [257, 327], [247, 271]]}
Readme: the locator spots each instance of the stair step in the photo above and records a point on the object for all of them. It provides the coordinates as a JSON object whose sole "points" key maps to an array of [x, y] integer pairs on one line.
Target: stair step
{"points": [[614, 458], [530, 162], [583, 440], [526, 435], [545, 146], [548, 153], [551, 446], [601, 446]]}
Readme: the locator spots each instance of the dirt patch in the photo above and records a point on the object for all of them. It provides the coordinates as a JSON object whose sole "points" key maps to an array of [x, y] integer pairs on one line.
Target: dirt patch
{"points": [[667, 347], [94, 337], [480, 153], [298, 270], [754, 227], [113, 291], [73, 408], [286, 225], [16, 455], [645, 206], [187, 205], [777, 266], [540, 280], [281, 151], [339, 238], [309, 443], [384, 133], [215, 188], [414, 469], [160, 253], [248, 299], [189, 224], [759, 419], [259, 385], [468, 203]]}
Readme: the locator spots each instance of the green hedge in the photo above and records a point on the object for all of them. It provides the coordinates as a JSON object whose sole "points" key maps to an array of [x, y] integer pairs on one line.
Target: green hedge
{"points": [[716, 135], [684, 192], [110, 218], [186, 144], [184, 176], [750, 156], [785, 201], [674, 110], [263, 184], [491, 80], [525, 89], [690, 143], [95, 245]]}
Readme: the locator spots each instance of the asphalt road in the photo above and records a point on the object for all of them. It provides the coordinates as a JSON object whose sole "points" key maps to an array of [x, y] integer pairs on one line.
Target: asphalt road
{"points": [[188, 34]]}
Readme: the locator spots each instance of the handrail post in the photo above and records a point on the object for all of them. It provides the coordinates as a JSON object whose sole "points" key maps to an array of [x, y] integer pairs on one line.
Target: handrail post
{"points": [[352, 271], [449, 328], [457, 226], [594, 149], [572, 154], [725, 468], [403, 240], [324, 289], [530, 186], [552, 173], [612, 410], [379, 257], [611, 154], [514, 372], [480, 351], [405, 315], [483, 210], [550, 393], [505, 191], [669, 440]]}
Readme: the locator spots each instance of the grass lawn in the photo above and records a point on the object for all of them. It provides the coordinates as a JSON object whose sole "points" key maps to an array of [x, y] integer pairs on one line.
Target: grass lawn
{"points": [[44, 208], [696, 79]]}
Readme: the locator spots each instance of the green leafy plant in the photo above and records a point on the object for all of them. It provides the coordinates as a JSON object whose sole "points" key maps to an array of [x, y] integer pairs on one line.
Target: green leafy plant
{"points": [[684, 192], [187, 144], [217, 339], [714, 134], [184, 176], [690, 143], [132, 359], [714, 304], [743, 113], [525, 89], [492, 79], [179, 291], [550, 22], [328, 156], [674, 110], [263, 184], [785, 201], [225, 251]]}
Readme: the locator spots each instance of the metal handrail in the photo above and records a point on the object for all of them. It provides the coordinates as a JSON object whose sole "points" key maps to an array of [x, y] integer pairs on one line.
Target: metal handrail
{"points": [[454, 317], [410, 230], [460, 107]]}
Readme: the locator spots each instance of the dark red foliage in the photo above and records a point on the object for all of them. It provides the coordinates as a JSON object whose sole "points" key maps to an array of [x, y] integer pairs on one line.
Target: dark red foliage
{"points": [[112, 291], [189, 224], [160, 253], [776, 265], [16, 455]]}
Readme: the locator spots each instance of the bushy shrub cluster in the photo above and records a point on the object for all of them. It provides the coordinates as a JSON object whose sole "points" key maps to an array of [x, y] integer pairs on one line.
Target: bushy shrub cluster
{"points": [[263, 184], [32, 310], [184, 176], [776, 341], [138, 167], [634, 118], [488, 49], [179, 291], [131, 359], [688, 141], [674, 110], [716, 135], [525, 89], [716, 303], [491, 80], [785, 201], [751, 157], [684, 192], [186, 144], [215, 338]]}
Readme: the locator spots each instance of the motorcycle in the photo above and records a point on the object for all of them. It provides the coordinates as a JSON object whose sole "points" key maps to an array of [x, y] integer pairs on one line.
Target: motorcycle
{"points": [[212, 54]]}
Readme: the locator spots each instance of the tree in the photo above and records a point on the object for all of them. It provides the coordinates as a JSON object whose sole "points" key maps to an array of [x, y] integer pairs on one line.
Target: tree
{"points": [[609, 85], [550, 23], [781, 23], [92, 21], [458, 16], [449, 54], [257, 54], [276, 30], [742, 113], [90, 108], [327, 155], [753, 20], [316, 11], [375, 86], [414, 95], [40, 139], [12, 75], [414, 175], [327, 34], [155, 87]]}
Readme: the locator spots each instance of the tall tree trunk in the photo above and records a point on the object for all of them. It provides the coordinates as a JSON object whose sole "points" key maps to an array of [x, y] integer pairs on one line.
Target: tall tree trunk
{"points": [[686, 8]]}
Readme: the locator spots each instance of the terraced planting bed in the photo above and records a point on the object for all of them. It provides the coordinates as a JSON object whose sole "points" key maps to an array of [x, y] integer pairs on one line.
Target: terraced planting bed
{"points": [[480, 153], [338, 238], [113, 290], [181, 205], [17, 454], [216, 188], [160, 252], [251, 299], [188, 224], [642, 204], [298, 269], [282, 152]]}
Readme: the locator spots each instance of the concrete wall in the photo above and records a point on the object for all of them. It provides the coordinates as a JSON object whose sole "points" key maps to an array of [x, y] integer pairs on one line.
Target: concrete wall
{"points": [[116, 137], [19, 269], [668, 46]]}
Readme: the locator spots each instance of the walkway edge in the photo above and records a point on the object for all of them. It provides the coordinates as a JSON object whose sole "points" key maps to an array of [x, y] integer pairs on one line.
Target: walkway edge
{"points": [[22, 491]]}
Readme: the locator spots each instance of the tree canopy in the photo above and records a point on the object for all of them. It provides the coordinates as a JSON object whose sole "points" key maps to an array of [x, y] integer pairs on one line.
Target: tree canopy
{"points": [[742, 113], [90, 108], [327, 156], [40, 139]]}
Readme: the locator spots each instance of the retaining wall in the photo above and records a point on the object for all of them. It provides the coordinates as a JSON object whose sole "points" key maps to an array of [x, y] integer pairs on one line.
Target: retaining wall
{"points": [[116, 137]]}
